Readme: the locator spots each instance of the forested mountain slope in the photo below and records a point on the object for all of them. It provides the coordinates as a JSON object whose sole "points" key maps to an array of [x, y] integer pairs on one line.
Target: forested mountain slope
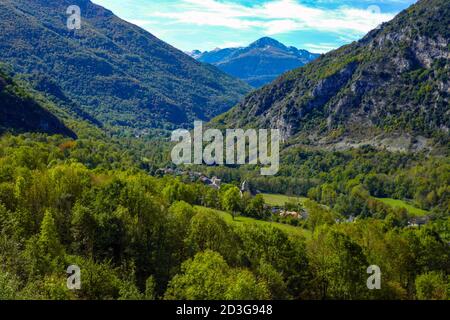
{"points": [[20, 112], [389, 89], [112, 70]]}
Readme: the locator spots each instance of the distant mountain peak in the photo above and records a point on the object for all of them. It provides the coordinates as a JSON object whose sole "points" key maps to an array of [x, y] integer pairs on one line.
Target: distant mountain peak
{"points": [[259, 63], [265, 42], [194, 53]]}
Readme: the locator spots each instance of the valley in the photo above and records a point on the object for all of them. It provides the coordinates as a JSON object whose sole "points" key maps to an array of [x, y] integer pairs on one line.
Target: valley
{"points": [[90, 177]]}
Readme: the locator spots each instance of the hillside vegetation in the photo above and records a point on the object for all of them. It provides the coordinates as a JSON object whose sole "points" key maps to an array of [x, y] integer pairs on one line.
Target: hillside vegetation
{"points": [[75, 192], [20, 112], [390, 89], [139, 237], [110, 70]]}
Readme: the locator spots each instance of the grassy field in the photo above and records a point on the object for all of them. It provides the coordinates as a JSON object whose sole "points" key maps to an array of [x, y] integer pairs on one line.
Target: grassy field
{"points": [[402, 204], [281, 200], [242, 220]]}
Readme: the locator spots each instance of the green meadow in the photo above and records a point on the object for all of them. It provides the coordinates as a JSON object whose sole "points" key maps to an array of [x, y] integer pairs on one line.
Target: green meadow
{"points": [[291, 230], [394, 203], [281, 200]]}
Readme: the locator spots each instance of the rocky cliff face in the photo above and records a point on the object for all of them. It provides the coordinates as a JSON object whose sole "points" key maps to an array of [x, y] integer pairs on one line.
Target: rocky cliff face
{"points": [[395, 81]]}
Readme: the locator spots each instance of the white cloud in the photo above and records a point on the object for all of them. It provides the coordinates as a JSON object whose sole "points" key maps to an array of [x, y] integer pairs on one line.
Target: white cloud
{"points": [[232, 44], [140, 22], [320, 47], [276, 16]]}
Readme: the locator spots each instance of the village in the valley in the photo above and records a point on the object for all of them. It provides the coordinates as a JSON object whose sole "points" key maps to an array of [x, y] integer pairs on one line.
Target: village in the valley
{"points": [[216, 183], [281, 211]]}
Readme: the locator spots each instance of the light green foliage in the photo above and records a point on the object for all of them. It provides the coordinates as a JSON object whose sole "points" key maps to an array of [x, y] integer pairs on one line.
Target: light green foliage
{"points": [[237, 221], [245, 286], [8, 286], [208, 277], [128, 291], [318, 216], [256, 208], [274, 280], [281, 200], [212, 198], [231, 200], [210, 232], [135, 236], [99, 281], [432, 286], [177, 191], [338, 265], [402, 204], [150, 287], [48, 241]]}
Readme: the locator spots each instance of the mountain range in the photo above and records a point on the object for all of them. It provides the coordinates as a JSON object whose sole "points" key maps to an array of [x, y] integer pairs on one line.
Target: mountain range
{"points": [[259, 63], [390, 89], [110, 72]]}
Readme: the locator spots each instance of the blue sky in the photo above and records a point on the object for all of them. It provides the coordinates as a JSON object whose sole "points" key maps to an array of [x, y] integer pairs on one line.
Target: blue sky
{"points": [[318, 26]]}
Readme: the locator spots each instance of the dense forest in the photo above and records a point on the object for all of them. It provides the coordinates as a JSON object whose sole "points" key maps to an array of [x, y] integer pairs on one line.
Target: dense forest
{"points": [[86, 177], [136, 236], [332, 178], [110, 70]]}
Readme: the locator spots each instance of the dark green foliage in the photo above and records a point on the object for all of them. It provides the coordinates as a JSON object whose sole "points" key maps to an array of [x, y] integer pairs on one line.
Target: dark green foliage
{"points": [[20, 112], [256, 208], [338, 265], [110, 71]]}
